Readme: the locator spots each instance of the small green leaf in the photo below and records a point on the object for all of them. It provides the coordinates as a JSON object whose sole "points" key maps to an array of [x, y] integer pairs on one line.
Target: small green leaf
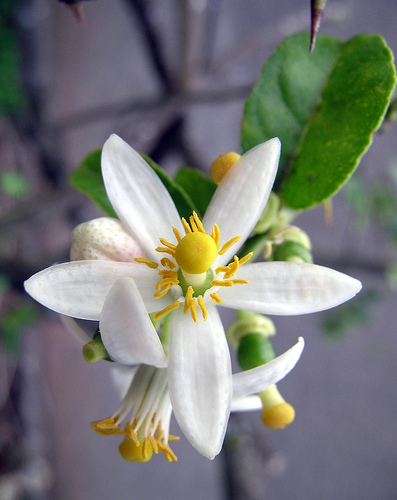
{"points": [[182, 200], [197, 185], [330, 105], [88, 179]]}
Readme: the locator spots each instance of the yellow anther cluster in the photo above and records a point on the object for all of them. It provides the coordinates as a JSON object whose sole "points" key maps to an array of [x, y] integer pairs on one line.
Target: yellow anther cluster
{"points": [[222, 165], [230, 269], [132, 448]]}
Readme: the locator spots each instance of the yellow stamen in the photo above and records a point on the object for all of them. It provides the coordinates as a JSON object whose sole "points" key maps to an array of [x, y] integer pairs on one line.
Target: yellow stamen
{"points": [[188, 298], [166, 262], [166, 250], [186, 226], [228, 244], [167, 309], [216, 235], [166, 273], [246, 258], [154, 444], [149, 263], [193, 224], [131, 433], [199, 224], [167, 244], [107, 427], [201, 305], [166, 282], [162, 292], [215, 297], [177, 234], [221, 283]]}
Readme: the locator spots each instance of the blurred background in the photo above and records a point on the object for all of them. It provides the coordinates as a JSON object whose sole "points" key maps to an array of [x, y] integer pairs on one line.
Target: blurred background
{"points": [[170, 77]]}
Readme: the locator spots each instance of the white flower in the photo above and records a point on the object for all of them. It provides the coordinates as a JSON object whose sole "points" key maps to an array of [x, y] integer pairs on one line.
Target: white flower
{"points": [[199, 368], [146, 403]]}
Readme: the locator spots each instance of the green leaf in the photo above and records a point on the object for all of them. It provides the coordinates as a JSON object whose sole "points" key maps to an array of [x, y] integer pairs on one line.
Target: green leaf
{"points": [[197, 185], [182, 200], [324, 108], [88, 179]]}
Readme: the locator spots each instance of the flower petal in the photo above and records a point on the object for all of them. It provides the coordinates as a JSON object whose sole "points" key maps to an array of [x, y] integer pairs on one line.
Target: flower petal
{"points": [[248, 403], [126, 330], [79, 288], [285, 288], [138, 196], [199, 373], [260, 378], [241, 197]]}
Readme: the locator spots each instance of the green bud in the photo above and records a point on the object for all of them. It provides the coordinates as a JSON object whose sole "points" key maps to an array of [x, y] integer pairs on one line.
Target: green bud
{"points": [[293, 233], [269, 214], [95, 351], [254, 350], [293, 252], [247, 323]]}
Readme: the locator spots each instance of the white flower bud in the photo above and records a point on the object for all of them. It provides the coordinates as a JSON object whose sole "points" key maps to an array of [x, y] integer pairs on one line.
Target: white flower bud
{"points": [[103, 239]]}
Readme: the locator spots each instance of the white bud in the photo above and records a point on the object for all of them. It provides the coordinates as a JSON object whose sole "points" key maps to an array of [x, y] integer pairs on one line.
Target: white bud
{"points": [[103, 239]]}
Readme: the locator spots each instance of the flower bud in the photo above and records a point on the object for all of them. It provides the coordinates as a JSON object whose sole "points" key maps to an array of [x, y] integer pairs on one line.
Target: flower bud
{"points": [[269, 214], [103, 239]]}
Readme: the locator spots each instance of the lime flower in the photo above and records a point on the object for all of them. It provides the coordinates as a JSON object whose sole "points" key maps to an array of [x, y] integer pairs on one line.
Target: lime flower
{"points": [[194, 269], [146, 403]]}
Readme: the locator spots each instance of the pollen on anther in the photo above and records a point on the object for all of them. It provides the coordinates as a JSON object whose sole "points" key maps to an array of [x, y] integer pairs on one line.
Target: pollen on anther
{"points": [[166, 262], [199, 224], [167, 309], [186, 226], [177, 234], [215, 297], [216, 235], [149, 263], [228, 244], [201, 305]]}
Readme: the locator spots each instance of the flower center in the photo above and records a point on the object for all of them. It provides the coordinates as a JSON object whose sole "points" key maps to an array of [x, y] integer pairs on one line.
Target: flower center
{"points": [[196, 252]]}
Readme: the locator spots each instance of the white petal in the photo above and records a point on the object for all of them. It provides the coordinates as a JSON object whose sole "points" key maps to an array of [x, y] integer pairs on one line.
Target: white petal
{"points": [[241, 197], [138, 196], [199, 372], [260, 378], [288, 288], [79, 288], [248, 403], [121, 377], [126, 330]]}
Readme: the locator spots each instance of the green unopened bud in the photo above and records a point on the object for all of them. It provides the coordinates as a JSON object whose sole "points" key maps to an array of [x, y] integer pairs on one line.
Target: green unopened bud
{"points": [[95, 350], [248, 323], [254, 350], [269, 214], [294, 233], [292, 252]]}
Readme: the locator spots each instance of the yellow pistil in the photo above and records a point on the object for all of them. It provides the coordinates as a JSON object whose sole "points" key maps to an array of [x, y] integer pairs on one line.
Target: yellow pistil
{"points": [[222, 165], [149, 263], [196, 252], [132, 452], [277, 413]]}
